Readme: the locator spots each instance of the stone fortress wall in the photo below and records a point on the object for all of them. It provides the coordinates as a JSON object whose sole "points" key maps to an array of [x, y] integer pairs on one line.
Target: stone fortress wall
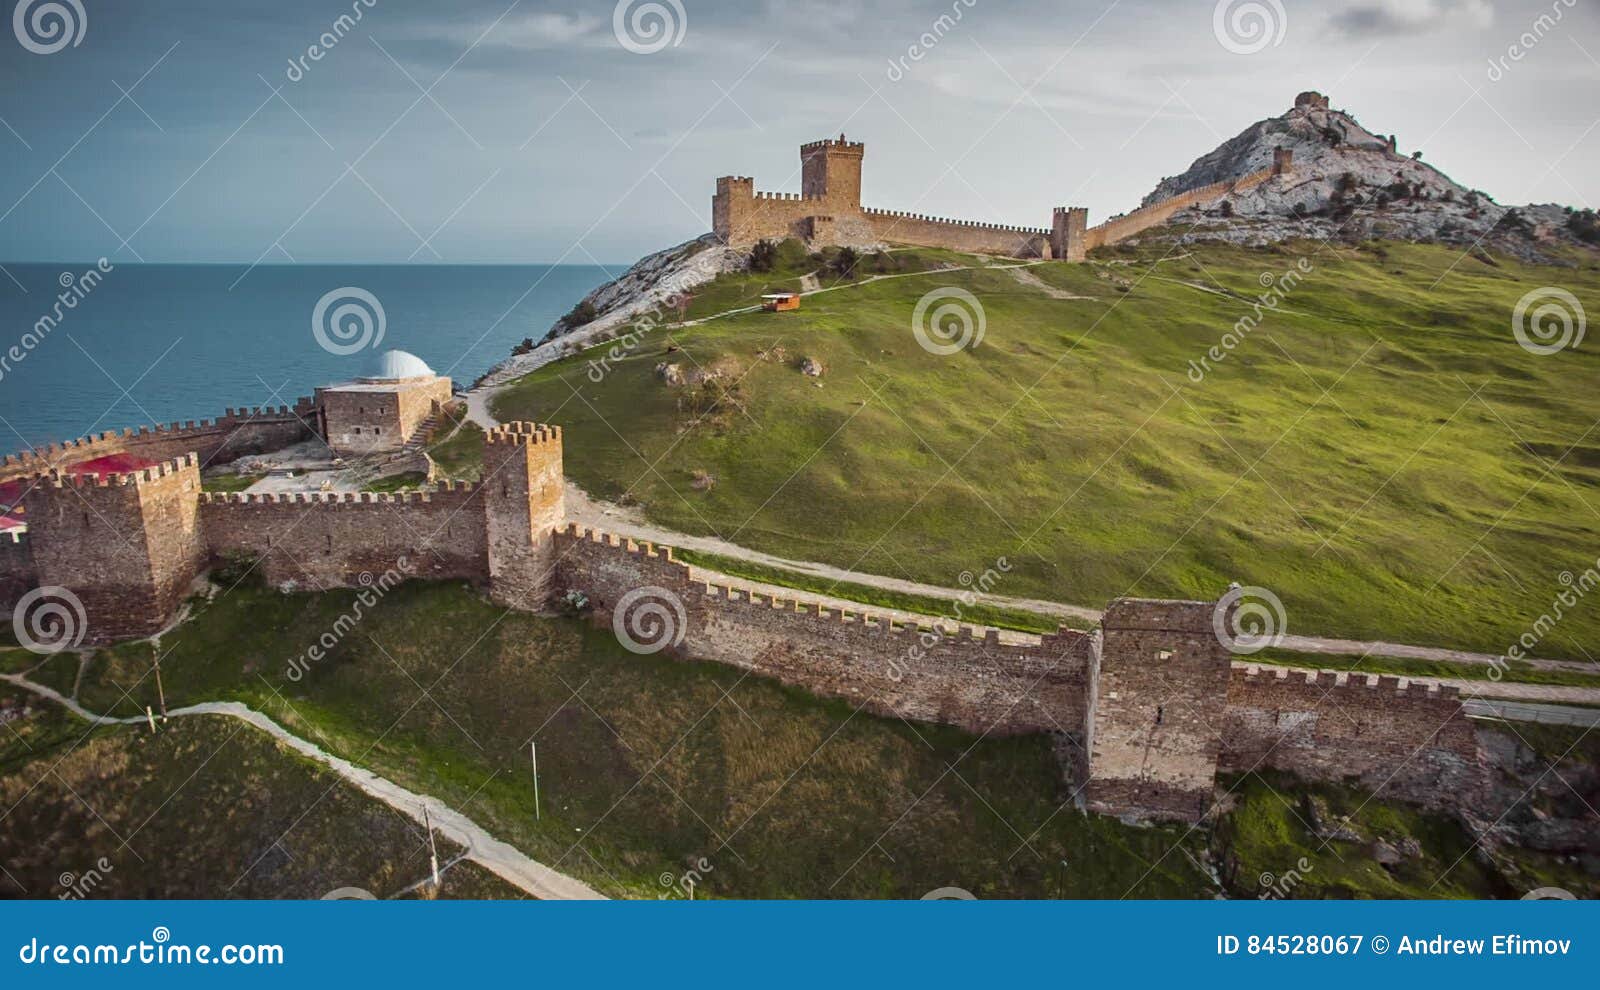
{"points": [[1151, 704], [1150, 707], [235, 433], [828, 211]]}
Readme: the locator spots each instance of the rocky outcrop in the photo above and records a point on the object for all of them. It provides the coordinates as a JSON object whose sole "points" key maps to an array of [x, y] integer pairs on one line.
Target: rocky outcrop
{"points": [[641, 297], [652, 283], [1351, 183]]}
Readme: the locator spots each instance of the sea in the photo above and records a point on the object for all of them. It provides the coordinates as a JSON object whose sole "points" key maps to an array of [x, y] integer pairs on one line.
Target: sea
{"points": [[130, 344]]}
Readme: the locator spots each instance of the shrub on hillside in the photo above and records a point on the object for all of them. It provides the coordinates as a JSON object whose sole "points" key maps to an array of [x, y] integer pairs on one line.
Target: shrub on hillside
{"points": [[843, 262], [580, 314], [1584, 225], [763, 256]]}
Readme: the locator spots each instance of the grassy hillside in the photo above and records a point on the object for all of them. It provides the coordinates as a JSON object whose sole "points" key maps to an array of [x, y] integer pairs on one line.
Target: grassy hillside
{"points": [[650, 767], [648, 764], [207, 807], [1379, 452]]}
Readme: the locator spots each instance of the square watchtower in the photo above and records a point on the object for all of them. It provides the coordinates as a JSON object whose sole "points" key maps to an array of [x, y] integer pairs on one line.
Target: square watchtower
{"points": [[831, 170]]}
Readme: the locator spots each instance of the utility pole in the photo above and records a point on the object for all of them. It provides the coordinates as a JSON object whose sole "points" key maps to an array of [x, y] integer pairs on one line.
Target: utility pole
{"points": [[533, 749], [433, 850], [161, 693]]}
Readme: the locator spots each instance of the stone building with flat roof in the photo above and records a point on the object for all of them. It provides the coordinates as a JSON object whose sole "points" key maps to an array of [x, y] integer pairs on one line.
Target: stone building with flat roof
{"points": [[383, 410]]}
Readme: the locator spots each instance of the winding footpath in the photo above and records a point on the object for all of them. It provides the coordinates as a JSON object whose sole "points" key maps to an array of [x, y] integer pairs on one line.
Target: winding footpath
{"points": [[499, 858]]}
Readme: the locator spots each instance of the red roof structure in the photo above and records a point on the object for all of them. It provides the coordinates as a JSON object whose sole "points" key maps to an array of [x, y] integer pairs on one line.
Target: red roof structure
{"points": [[11, 492]]}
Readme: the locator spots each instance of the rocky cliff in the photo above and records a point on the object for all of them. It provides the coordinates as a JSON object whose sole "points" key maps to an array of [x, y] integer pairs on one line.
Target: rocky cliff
{"points": [[1349, 182]]}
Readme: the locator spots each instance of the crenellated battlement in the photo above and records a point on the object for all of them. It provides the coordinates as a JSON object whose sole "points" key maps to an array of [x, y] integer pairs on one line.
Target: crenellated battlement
{"points": [[525, 434], [241, 429], [1355, 687], [838, 145], [454, 492], [972, 224], [117, 479]]}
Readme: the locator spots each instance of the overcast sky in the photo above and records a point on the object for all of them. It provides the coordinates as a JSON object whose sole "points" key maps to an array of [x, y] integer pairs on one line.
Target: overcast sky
{"points": [[544, 138]]}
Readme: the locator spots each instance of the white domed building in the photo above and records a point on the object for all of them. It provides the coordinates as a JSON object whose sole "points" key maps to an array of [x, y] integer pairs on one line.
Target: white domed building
{"points": [[383, 409]]}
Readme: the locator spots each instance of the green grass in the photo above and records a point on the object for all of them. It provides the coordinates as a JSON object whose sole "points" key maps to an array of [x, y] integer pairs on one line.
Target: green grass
{"points": [[206, 807], [645, 765], [229, 482], [459, 454], [1268, 844], [1516, 672], [976, 614], [407, 481], [740, 289], [1433, 495]]}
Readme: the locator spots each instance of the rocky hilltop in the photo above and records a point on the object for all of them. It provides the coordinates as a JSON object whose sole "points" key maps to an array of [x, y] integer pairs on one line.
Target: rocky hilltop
{"points": [[1350, 182]]}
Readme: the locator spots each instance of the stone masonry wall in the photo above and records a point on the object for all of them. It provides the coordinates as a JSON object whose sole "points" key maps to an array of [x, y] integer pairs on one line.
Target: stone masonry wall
{"points": [[216, 441], [127, 545], [1414, 743], [17, 570], [959, 235], [332, 540], [1158, 710], [524, 491], [975, 682], [1156, 214]]}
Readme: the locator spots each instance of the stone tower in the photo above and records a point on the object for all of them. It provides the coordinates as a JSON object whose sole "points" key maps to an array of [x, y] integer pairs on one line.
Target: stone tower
{"points": [[523, 502], [127, 545], [1068, 226], [831, 170], [1157, 711]]}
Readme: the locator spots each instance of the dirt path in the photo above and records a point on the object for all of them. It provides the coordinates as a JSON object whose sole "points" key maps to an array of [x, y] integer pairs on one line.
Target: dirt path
{"points": [[596, 514], [609, 518], [1032, 281], [500, 858]]}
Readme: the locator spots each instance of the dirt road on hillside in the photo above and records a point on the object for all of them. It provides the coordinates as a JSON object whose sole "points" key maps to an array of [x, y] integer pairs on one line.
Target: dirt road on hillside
{"points": [[499, 858]]}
